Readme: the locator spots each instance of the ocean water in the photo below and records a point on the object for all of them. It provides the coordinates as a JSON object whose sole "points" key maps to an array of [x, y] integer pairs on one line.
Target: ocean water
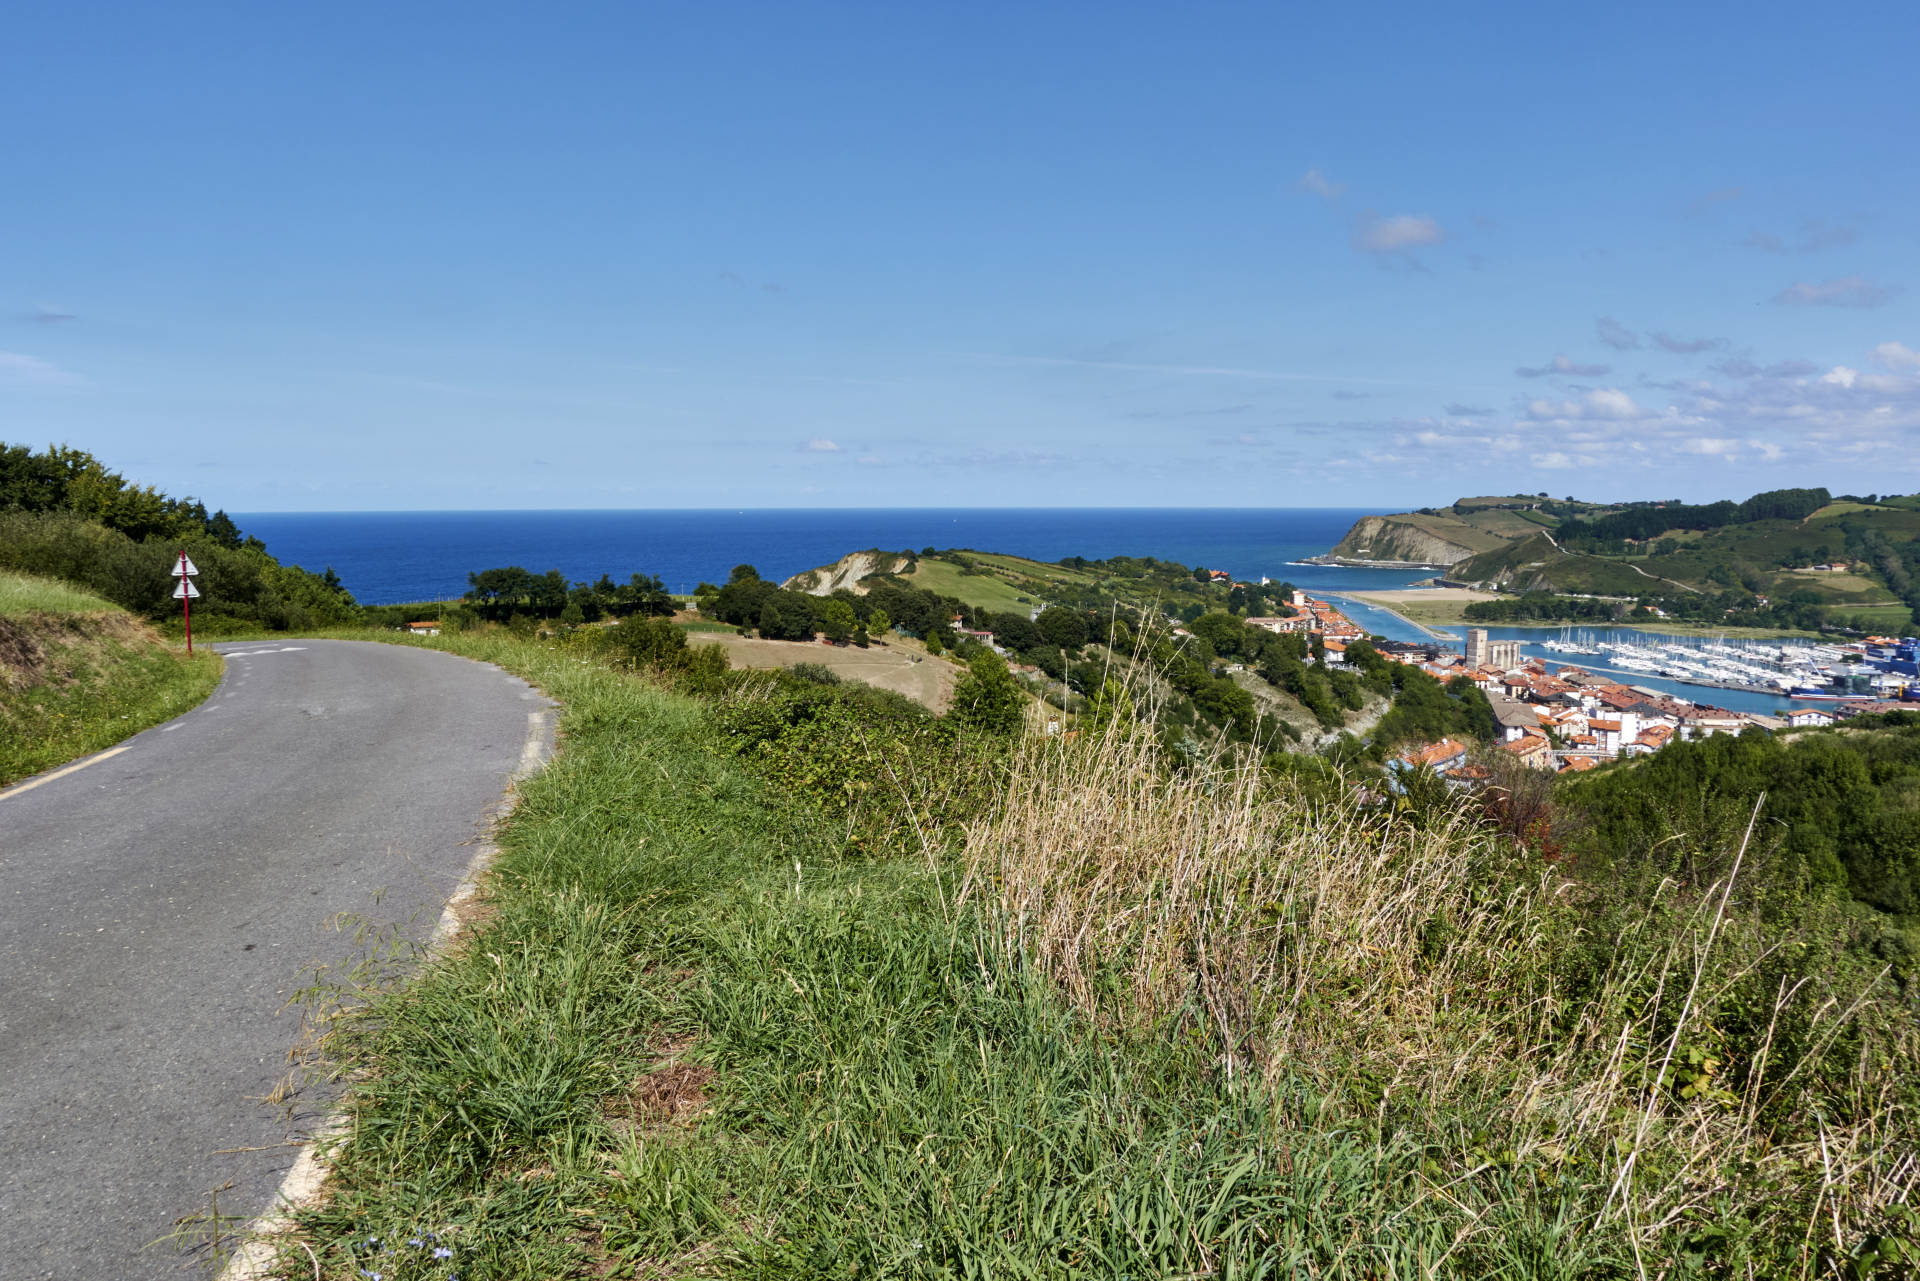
{"points": [[389, 557]]}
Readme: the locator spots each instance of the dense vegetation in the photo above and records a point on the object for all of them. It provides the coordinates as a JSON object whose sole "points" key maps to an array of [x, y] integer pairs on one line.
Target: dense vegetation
{"points": [[64, 515], [1842, 809]]}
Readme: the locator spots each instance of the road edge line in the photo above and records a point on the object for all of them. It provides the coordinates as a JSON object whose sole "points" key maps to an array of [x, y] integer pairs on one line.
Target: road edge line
{"points": [[63, 771], [303, 1182]]}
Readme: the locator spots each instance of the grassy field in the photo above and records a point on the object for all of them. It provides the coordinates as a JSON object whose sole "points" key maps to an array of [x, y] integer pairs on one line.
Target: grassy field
{"points": [[983, 591], [78, 675], [27, 594], [1238, 1033]]}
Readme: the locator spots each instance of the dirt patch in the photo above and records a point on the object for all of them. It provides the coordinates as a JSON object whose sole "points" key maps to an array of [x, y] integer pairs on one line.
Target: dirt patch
{"points": [[22, 657], [674, 1093], [39, 647], [900, 666]]}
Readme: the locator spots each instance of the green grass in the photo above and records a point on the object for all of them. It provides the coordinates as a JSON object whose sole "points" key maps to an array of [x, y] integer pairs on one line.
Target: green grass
{"points": [[76, 683], [983, 591], [692, 1036], [29, 594], [1893, 618]]}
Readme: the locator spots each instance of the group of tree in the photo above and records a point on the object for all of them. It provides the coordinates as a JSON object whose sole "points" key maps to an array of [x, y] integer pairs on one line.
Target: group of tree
{"points": [[1640, 522], [755, 604], [71, 480], [1425, 709], [498, 595], [1734, 607], [64, 514]]}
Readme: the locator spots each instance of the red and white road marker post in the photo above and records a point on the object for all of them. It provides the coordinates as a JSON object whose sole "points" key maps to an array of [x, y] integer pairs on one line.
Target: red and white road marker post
{"points": [[184, 591]]}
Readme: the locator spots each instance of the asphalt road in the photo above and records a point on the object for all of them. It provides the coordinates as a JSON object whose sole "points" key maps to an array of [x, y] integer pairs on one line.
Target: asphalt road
{"points": [[159, 907]]}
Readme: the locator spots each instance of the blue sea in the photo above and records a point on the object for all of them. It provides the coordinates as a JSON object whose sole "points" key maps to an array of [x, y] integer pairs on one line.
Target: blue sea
{"points": [[387, 558]]}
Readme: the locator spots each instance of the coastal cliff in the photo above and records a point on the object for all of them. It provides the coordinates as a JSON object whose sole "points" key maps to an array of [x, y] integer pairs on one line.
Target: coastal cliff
{"points": [[847, 572], [1408, 539]]}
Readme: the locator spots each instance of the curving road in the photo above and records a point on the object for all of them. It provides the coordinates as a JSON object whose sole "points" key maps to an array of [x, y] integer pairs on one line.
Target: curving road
{"points": [[159, 906]]}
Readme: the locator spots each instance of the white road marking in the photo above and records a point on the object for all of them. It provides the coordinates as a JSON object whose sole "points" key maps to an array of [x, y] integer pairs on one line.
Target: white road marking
{"points": [[30, 784]]}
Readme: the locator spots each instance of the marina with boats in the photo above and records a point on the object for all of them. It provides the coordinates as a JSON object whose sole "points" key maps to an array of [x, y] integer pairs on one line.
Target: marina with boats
{"points": [[1798, 671]]}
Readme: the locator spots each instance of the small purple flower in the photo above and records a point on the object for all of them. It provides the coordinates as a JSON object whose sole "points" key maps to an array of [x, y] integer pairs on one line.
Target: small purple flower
{"points": [[442, 1252]]}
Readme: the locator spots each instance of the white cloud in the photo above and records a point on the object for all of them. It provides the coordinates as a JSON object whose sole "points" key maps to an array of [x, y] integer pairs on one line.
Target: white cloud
{"points": [[1896, 356], [821, 445], [1563, 365], [1844, 291], [1840, 376], [1610, 402], [1552, 462], [1397, 234], [17, 367], [1607, 403], [1320, 185], [1712, 446]]}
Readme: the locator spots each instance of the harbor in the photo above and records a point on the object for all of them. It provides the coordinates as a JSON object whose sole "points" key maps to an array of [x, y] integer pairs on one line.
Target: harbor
{"points": [[1748, 675]]}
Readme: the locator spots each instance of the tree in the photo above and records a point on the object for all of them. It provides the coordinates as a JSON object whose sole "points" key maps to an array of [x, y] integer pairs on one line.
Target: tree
{"points": [[222, 530], [495, 592], [643, 594], [1062, 627], [549, 594], [988, 699], [1227, 634], [837, 619], [878, 624], [785, 616]]}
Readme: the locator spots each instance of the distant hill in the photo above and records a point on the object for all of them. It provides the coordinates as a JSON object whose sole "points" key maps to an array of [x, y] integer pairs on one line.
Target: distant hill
{"points": [[1850, 555], [1443, 536]]}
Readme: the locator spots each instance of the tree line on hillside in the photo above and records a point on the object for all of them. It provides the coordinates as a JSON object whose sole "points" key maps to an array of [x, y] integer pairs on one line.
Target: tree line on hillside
{"points": [[1801, 611], [1638, 523], [65, 515]]}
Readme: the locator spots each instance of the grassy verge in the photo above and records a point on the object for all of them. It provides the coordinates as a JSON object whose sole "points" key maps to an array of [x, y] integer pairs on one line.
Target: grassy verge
{"points": [[1147, 1023], [694, 1036], [78, 675]]}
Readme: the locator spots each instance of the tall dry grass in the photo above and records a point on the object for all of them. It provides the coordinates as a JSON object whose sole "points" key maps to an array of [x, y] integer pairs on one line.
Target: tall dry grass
{"points": [[1676, 1066]]}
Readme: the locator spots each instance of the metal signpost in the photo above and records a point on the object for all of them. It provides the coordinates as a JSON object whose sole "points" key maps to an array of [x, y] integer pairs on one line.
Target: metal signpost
{"points": [[184, 591]]}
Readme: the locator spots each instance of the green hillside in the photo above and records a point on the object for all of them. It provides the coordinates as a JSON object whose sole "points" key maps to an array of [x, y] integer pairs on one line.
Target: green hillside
{"points": [[1803, 552], [78, 674]]}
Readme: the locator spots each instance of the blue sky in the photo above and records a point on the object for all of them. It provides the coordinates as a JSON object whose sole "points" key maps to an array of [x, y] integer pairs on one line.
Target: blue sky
{"points": [[362, 256]]}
